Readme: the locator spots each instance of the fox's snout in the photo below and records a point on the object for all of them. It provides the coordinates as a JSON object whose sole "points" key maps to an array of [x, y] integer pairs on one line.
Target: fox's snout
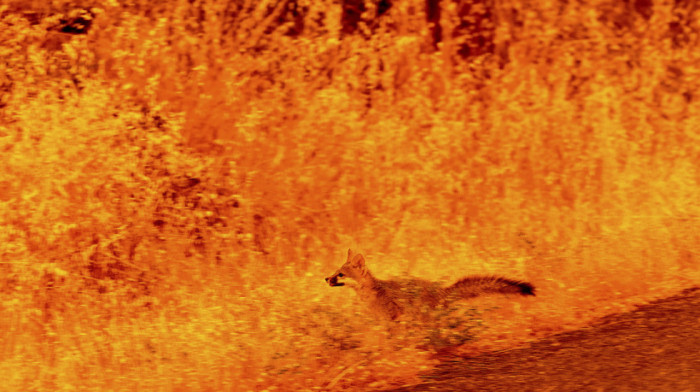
{"points": [[333, 280]]}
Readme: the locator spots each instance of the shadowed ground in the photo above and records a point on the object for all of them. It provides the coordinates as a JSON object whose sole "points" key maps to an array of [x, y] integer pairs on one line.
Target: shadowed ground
{"points": [[654, 348]]}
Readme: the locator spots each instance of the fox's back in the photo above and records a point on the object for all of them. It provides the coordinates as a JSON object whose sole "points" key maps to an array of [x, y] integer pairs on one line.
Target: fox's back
{"points": [[414, 290], [404, 296]]}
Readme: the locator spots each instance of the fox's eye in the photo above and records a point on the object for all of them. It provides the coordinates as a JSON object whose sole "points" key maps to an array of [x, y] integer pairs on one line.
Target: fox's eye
{"points": [[340, 275]]}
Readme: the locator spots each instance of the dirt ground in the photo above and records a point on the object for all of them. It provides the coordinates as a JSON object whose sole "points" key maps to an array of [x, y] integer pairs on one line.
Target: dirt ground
{"points": [[654, 348]]}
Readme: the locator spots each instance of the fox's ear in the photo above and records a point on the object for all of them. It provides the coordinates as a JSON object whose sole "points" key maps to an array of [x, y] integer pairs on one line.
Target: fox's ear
{"points": [[349, 254], [358, 260]]}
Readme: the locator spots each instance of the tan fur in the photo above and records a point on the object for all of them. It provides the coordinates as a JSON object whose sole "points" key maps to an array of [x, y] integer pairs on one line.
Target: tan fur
{"points": [[392, 298]]}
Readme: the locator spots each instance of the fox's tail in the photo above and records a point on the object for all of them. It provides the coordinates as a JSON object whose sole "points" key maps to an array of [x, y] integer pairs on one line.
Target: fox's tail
{"points": [[474, 286]]}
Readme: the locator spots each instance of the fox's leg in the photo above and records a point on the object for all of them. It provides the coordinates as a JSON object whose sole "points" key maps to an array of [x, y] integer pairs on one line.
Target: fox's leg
{"points": [[393, 310]]}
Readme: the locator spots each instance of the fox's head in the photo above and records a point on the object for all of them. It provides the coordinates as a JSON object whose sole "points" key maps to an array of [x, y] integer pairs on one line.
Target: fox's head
{"points": [[354, 268]]}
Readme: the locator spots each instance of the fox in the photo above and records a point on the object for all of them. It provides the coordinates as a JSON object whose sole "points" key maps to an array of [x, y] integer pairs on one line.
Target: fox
{"points": [[393, 298]]}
